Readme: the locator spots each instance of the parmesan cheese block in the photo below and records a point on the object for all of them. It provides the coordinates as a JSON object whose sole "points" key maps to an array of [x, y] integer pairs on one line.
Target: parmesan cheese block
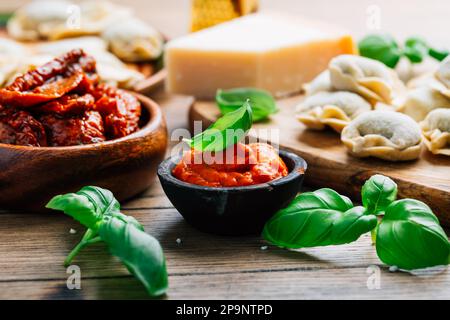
{"points": [[271, 52]]}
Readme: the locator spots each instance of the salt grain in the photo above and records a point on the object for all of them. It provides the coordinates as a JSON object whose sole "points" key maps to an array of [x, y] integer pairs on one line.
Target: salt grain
{"points": [[72, 231], [393, 269]]}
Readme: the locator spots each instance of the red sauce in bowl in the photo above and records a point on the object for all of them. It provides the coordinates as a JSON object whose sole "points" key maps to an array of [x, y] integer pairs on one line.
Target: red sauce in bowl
{"points": [[239, 165]]}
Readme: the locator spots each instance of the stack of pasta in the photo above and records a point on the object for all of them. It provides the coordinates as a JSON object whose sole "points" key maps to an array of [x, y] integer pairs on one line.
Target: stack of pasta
{"points": [[375, 113]]}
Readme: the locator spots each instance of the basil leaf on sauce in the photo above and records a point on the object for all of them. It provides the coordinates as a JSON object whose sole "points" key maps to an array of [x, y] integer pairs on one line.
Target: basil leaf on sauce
{"points": [[261, 101], [378, 193], [226, 131], [318, 218], [410, 237], [99, 211]]}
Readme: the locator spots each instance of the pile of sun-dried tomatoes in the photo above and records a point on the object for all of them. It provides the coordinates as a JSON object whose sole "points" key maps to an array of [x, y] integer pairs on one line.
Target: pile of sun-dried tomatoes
{"points": [[62, 104]]}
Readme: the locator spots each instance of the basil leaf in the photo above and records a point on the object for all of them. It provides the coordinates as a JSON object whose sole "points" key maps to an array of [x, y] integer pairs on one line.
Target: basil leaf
{"points": [[410, 237], [4, 17], [226, 131], [378, 193], [87, 206], [97, 209], [127, 219], [383, 48], [261, 102], [318, 218], [438, 54], [415, 49], [138, 251]]}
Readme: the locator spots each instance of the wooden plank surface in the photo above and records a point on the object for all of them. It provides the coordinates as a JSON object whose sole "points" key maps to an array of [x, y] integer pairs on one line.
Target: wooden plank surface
{"points": [[202, 266], [33, 247], [330, 165]]}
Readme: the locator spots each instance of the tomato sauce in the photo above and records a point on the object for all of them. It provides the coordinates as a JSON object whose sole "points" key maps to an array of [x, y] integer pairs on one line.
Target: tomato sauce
{"points": [[239, 165]]}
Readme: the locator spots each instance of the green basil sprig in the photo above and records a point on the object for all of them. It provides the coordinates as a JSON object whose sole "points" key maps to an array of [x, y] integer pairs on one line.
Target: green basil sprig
{"points": [[99, 211], [226, 131], [378, 193], [415, 49], [318, 218], [410, 237], [261, 101], [384, 48]]}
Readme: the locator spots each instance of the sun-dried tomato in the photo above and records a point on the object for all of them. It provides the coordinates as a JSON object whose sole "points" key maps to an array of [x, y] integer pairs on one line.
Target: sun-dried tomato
{"points": [[51, 81], [120, 110], [71, 106], [68, 104], [81, 129], [21, 128]]}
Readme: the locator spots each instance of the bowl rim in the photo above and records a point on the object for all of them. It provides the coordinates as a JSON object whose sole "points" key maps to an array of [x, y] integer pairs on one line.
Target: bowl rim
{"points": [[150, 105], [299, 169]]}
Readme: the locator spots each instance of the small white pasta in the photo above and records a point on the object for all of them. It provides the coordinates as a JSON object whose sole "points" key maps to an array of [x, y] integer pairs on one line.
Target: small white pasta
{"points": [[366, 77], [333, 109], [436, 131], [133, 40], [386, 135]]}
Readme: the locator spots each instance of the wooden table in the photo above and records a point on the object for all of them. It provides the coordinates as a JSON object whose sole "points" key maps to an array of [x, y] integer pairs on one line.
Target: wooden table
{"points": [[201, 266], [33, 247]]}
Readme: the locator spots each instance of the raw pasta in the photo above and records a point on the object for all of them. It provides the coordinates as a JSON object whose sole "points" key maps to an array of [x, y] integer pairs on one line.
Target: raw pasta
{"points": [[320, 83], [386, 135], [57, 19], [421, 100], [133, 40], [334, 109], [436, 131], [369, 78]]}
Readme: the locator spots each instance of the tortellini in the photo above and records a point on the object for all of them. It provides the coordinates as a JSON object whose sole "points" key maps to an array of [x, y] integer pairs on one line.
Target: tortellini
{"points": [[36, 19], [369, 78], [386, 135], [443, 75], [110, 68], [133, 40], [436, 131], [420, 101], [408, 71], [321, 83], [429, 92], [57, 19], [334, 109]]}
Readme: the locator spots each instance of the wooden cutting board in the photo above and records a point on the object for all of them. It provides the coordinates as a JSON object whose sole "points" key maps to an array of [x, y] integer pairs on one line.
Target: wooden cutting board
{"points": [[329, 164]]}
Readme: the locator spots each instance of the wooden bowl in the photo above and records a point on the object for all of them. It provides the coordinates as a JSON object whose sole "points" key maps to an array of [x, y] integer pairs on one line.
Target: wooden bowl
{"points": [[31, 176], [233, 210]]}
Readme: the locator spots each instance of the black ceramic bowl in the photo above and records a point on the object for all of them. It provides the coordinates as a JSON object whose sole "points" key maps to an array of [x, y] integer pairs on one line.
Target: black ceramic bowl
{"points": [[236, 210]]}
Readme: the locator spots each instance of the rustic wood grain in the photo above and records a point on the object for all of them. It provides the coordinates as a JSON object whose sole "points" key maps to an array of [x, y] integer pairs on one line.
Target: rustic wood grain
{"points": [[32, 247], [329, 164]]}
